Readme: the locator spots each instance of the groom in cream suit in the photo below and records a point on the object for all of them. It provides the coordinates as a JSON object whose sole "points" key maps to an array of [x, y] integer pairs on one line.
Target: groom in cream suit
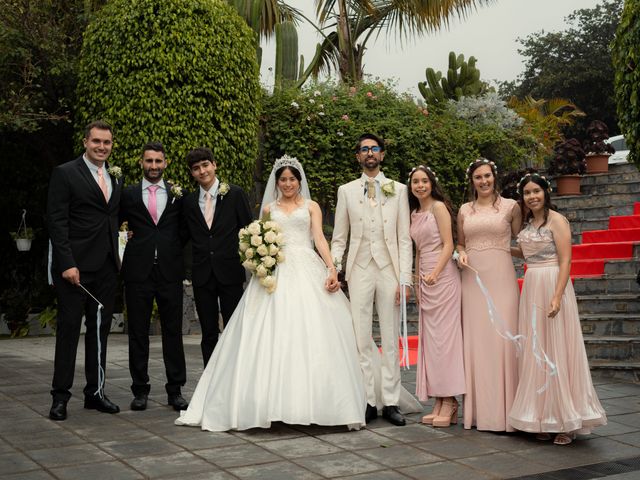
{"points": [[373, 212]]}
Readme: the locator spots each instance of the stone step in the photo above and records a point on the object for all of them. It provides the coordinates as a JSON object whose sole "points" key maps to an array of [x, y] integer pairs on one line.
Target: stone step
{"points": [[615, 370], [623, 266], [580, 214], [607, 198], [607, 284], [610, 324], [613, 303], [612, 186], [619, 348]]}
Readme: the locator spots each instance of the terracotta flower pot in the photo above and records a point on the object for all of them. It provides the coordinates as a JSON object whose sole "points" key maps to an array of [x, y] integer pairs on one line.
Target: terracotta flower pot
{"points": [[568, 185], [597, 163]]}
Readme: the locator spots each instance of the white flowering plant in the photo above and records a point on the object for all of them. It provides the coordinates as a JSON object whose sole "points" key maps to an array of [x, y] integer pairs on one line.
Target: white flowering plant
{"points": [[260, 250]]}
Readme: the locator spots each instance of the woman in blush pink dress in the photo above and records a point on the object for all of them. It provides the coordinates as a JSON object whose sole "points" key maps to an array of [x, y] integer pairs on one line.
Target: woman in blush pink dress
{"points": [[485, 227], [440, 370], [558, 400]]}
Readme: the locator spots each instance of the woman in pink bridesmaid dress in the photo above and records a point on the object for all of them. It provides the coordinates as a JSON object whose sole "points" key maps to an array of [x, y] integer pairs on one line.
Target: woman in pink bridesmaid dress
{"points": [[485, 228], [440, 370], [556, 396]]}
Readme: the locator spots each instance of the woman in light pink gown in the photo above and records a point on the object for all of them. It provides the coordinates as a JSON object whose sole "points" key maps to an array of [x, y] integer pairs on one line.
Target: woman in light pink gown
{"points": [[440, 370], [485, 227], [557, 395]]}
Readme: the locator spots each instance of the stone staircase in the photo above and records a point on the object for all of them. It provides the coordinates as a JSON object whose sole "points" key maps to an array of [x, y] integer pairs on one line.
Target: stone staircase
{"points": [[609, 304]]}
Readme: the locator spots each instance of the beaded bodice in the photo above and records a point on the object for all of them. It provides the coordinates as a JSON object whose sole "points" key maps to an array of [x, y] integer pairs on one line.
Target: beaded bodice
{"points": [[537, 245]]}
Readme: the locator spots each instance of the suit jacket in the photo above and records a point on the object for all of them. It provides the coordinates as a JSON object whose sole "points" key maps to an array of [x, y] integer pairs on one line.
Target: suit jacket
{"points": [[167, 238], [349, 224], [215, 249], [83, 227]]}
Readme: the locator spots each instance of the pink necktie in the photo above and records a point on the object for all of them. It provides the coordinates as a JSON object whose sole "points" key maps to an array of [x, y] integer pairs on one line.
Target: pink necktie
{"points": [[208, 209], [153, 204], [103, 185]]}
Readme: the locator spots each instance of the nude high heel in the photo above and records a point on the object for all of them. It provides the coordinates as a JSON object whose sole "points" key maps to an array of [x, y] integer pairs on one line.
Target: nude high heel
{"points": [[428, 419], [448, 413]]}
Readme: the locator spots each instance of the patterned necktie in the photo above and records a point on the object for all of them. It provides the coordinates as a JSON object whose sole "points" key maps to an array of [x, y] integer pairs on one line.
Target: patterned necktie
{"points": [[103, 185], [208, 209], [371, 192], [153, 203]]}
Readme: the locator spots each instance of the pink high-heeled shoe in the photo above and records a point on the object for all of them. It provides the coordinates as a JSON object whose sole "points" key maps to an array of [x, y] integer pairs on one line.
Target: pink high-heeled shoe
{"points": [[428, 419], [448, 413]]}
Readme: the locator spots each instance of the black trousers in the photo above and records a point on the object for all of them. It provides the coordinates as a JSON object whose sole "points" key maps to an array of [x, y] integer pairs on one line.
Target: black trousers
{"points": [[73, 302], [206, 297], [139, 298]]}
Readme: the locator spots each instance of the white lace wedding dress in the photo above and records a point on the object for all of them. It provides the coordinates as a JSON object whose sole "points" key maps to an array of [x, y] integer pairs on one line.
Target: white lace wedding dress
{"points": [[289, 356]]}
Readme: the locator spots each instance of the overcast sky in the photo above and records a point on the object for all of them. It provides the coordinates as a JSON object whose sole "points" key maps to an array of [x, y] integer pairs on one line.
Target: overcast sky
{"points": [[490, 34]]}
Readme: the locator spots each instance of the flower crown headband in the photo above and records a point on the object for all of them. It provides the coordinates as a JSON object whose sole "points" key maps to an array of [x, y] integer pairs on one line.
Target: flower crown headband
{"points": [[287, 161], [426, 168], [482, 161], [524, 180]]}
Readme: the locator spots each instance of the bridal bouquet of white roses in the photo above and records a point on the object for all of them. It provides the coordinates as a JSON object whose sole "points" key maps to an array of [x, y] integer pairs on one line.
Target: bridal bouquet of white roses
{"points": [[260, 250]]}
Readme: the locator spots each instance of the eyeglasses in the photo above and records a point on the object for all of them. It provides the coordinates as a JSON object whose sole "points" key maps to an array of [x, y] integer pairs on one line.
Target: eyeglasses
{"points": [[374, 149]]}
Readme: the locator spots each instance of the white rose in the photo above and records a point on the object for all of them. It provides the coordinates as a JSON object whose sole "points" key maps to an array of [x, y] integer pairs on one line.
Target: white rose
{"points": [[249, 265], [268, 261], [269, 282], [244, 246], [279, 239], [242, 232], [270, 237], [248, 253], [262, 250], [254, 228], [269, 225], [273, 250], [256, 240], [280, 257], [261, 271]]}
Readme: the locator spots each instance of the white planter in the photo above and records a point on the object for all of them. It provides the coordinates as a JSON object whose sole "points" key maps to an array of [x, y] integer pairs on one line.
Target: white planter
{"points": [[23, 244]]}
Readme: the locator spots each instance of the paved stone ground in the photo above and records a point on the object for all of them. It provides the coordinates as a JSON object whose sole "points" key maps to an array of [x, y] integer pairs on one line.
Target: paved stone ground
{"points": [[136, 445]]}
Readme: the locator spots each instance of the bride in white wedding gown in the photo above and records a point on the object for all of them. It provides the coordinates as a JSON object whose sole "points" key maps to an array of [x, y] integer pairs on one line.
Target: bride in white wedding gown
{"points": [[290, 355]]}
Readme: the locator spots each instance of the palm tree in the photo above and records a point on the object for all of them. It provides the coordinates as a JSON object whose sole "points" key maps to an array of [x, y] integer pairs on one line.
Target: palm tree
{"points": [[263, 15], [357, 21]]}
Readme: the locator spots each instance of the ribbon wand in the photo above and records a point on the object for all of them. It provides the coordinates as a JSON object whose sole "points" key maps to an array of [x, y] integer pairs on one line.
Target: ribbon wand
{"points": [[100, 391]]}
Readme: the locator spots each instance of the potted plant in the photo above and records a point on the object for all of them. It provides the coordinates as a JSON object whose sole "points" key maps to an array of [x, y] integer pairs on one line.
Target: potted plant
{"points": [[596, 148], [567, 165], [23, 236]]}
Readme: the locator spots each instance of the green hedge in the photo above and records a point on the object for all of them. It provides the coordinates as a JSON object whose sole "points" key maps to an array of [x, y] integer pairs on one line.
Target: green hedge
{"points": [[321, 124], [183, 72]]}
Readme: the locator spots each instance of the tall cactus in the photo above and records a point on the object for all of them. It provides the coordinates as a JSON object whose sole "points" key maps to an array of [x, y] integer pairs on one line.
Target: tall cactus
{"points": [[286, 69], [437, 89]]}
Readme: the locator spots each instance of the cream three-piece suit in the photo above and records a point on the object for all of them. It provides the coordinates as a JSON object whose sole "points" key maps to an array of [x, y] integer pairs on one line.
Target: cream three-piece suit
{"points": [[379, 259]]}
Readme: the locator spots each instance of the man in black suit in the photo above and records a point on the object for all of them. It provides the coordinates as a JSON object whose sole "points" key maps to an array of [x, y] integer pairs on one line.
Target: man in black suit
{"points": [[214, 215], [82, 217], [153, 267]]}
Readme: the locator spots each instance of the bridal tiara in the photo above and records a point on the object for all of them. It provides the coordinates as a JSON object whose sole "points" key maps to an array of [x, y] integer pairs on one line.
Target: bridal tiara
{"points": [[287, 161]]}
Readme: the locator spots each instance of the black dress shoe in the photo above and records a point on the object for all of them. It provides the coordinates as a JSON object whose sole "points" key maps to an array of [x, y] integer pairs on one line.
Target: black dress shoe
{"points": [[370, 414], [58, 410], [101, 404], [177, 402], [393, 415], [139, 402]]}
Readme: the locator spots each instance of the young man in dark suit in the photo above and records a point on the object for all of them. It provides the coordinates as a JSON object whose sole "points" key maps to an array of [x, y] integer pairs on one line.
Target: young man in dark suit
{"points": [[214, 214], [153, 268], [82, 217]]}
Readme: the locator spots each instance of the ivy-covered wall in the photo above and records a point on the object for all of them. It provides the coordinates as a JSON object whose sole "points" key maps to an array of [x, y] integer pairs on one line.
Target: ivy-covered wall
{"points": [[182, 72]]}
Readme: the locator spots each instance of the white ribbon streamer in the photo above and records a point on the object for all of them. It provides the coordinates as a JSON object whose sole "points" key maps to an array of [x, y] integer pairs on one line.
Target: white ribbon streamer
{"points": [[100, 391], [538, 350], [494, 316], [403, 319]]}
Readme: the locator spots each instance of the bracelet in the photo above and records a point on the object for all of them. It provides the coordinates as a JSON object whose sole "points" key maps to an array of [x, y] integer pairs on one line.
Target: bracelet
{"points": [[331, 268]]}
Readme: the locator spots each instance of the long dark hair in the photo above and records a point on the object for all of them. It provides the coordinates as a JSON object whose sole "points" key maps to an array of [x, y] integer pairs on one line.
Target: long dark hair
{"points": [[294, 171], [436, 192], [543, 183], [473, 166]]}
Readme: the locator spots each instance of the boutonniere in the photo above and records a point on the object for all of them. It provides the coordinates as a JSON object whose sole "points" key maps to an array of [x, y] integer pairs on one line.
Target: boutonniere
{"points": [[388, 189], [176, 191], [115, 172], [223, 189]]}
